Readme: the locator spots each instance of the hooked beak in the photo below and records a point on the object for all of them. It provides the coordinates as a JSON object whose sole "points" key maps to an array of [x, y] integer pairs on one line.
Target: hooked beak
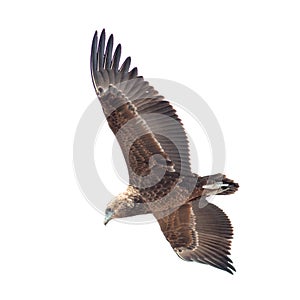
{"points": [[108, 216]]}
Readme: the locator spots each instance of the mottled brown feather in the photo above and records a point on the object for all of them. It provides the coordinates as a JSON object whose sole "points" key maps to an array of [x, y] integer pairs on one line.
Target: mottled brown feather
{"points": [[200, 231], [152, 137], [154, 115]]}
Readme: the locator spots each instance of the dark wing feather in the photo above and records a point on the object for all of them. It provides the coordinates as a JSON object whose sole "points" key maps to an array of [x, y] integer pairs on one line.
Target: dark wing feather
{"points": [[136, 139], [140, 101], [200, 233]]}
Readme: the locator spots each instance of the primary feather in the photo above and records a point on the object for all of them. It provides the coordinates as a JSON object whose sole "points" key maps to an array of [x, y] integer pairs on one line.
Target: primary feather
{"points": [[156, 150]]}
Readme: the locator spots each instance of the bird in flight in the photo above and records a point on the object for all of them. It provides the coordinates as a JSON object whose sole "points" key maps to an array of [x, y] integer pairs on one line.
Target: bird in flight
{"points": [[156, 150]]}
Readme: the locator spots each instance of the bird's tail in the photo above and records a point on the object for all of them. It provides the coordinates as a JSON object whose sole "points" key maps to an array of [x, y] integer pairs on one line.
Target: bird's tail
{"points": [[217, 184]]}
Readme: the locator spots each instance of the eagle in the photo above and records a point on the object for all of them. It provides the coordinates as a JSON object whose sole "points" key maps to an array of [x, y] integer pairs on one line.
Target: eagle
{"points": [[156, 150]]}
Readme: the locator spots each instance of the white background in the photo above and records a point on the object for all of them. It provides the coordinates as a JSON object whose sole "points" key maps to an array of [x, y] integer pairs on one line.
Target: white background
{"points": [[242, 57]]}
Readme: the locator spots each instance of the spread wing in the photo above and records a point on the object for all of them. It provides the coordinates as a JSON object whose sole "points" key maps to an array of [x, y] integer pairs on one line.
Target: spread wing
{"points": [[144, 123], [200, 233]]}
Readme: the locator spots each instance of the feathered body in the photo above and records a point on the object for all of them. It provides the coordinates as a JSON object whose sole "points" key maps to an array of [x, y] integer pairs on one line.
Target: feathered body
{"points": [[156, 151]]}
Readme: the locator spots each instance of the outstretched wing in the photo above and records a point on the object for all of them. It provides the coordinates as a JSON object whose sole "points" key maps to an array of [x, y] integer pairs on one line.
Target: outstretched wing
{"points": [[144, 123], [200, 231]]}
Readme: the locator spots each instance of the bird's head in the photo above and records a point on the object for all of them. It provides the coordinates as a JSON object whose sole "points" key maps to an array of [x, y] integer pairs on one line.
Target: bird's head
{"points": [[124, 205], [119, 207]]}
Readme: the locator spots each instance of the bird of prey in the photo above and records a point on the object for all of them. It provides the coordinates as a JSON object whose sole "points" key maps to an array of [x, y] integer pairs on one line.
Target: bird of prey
{"points": [[156, 150]]}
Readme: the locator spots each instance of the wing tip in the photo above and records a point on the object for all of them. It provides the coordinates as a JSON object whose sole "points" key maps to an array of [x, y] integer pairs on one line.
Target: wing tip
{"points": [[102, 35], [104, 59], [224, 264], [95, 35], [93, 57]]}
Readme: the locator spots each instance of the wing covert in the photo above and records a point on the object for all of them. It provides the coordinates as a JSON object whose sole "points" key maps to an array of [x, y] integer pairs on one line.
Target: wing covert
{"points": [[200, 233], [121, 89]]}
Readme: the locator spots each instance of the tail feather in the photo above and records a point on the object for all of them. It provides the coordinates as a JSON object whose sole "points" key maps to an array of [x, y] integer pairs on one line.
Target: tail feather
{"points": [[232, 186], [217, 184]]}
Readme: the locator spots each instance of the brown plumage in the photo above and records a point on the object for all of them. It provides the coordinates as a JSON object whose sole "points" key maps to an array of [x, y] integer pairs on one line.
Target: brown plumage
{"points": [[156, 151], [200, 231]]}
